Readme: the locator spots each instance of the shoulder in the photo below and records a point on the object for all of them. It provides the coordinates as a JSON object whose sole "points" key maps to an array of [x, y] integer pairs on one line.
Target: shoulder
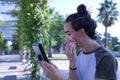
{"points": [[105, 64], [103, 54]]}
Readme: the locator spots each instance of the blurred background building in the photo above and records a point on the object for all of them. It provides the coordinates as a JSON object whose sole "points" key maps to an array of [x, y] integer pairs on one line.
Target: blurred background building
{"points": [[9, 28]]}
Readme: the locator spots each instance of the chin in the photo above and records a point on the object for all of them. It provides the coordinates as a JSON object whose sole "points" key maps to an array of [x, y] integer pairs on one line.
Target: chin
{"points": [[78, 46]]}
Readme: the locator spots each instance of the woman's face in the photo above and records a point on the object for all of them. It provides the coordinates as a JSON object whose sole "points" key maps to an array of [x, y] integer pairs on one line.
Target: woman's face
{"points": [[71, 34]]}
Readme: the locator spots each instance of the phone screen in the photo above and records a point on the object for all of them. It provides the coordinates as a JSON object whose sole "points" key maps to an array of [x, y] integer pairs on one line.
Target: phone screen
{"points": [[39, 51]]}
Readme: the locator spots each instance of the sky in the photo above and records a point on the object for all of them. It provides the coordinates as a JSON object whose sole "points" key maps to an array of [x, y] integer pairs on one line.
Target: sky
{"points": [[66, 7], [5, 8]]}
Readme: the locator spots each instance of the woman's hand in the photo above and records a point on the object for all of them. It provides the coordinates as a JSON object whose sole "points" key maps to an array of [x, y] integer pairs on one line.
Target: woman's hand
{"points": [[51, 71], [70, 51]]}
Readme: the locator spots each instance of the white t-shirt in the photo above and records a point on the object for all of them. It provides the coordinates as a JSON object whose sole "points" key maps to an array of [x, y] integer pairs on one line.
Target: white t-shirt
{"points": [[99, 63], [86, 66]]}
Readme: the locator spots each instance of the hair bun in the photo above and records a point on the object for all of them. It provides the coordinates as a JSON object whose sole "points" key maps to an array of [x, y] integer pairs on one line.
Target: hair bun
{"points": [[81, 9]]}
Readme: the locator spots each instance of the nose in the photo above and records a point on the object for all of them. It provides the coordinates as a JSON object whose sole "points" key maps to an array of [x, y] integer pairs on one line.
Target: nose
{"points": [[66, 38]]}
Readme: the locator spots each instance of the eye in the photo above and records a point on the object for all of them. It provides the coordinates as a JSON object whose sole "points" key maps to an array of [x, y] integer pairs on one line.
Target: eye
{"points": [[68, 33]]}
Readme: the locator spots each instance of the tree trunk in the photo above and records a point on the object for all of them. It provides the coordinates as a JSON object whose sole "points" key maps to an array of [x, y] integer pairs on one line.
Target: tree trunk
{"points": [[106, 38], [50, 53]]}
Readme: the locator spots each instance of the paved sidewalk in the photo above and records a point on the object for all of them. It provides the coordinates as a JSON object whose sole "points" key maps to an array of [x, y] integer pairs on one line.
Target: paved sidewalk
{"points": [[11, 68]]}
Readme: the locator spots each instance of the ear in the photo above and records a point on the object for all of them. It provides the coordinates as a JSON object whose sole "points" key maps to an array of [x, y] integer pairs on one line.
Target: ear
{"points": [[82, 31]]}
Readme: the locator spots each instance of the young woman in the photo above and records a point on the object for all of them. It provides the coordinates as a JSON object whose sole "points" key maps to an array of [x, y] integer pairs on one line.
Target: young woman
{"points": [[93, 62]]}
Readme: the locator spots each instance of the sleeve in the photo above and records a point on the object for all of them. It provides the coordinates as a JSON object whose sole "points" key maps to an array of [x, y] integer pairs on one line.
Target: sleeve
{"points": [[106, 69]]}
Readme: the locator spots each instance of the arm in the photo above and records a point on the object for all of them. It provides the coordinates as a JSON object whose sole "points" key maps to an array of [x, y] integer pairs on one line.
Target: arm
{"points": [[73, 74], [70, 51]]}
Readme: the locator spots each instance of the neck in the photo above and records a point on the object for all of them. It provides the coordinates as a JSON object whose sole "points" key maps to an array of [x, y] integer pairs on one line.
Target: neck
{"points": [[90, 45]]}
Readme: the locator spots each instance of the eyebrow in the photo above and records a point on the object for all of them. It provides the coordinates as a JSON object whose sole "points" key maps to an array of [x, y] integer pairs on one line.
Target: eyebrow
{"points": [[67, 31]]}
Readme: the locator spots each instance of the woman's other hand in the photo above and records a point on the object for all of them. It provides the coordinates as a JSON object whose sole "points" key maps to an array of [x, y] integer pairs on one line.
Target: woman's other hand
{"points": [[70, 51], [51, 71]]}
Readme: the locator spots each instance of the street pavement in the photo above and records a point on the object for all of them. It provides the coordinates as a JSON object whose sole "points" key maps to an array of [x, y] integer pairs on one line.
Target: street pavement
{"points": [[12, 68]]}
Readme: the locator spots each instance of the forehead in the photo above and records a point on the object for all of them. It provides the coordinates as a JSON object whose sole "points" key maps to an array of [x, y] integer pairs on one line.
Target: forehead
{"points": [[68, 27]]}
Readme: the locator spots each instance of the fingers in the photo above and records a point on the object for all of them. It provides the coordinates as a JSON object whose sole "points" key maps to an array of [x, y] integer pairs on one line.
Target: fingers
{"points": [[48, 66], [53, 64], [69, 48], [45, 66], [70, 51], [49, 69], [74, 48]]}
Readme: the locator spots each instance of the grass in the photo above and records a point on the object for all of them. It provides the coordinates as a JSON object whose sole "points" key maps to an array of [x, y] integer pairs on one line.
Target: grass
{"points": [[59, 56]]}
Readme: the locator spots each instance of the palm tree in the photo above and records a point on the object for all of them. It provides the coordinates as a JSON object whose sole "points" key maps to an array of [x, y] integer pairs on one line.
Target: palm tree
{"points": [[107, 15]]}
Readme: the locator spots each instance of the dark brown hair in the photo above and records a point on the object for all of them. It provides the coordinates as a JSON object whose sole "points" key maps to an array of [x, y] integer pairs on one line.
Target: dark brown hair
{"points": [[82, 19]]}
